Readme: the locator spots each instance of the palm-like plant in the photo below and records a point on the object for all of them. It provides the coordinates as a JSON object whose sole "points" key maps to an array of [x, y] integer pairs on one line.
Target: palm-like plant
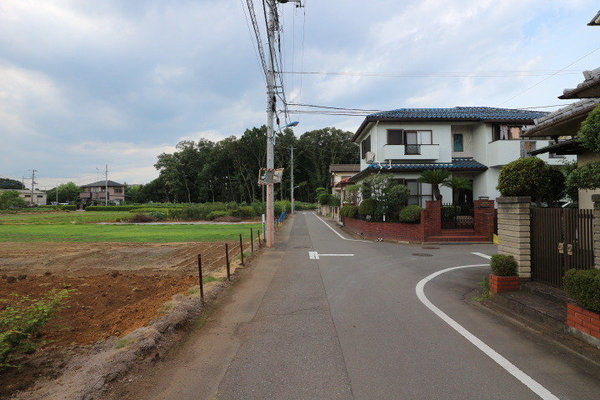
{"points": [[458, 183], [435, 177]]}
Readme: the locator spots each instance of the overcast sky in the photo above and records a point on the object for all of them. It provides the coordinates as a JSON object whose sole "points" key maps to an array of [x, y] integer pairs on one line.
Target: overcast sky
{"points": [[85, 83]]}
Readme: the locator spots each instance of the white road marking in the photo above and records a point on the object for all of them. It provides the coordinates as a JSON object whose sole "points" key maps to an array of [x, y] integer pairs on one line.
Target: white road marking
{"points": [[500, 360], [337, 233], [313, 255], [481, 255]]}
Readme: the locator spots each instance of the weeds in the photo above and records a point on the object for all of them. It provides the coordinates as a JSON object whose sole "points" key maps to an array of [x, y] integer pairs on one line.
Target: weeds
{"points": [[123, 342], [485, 290], [21, 318]]}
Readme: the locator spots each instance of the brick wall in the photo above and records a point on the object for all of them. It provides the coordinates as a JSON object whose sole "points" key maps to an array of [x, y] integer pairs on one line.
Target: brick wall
{"points": [[514, 231], [484, 214], [431, 218], [386, 230]]}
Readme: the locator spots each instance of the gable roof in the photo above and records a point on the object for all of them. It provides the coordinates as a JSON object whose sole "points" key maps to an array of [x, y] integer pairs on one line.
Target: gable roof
{"points": [[590, 87], [103, 184], [476, 114], [596, 20], [563, 122]]}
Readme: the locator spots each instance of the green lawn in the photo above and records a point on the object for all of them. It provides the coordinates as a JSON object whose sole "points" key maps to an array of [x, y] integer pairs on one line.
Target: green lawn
{"points": [[122, 233], [72, 217]]}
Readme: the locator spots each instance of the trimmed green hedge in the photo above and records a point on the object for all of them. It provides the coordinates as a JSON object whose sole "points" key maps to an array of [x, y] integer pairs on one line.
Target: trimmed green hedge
{"points": [[504, 265], [410, 214], [584, 287]]}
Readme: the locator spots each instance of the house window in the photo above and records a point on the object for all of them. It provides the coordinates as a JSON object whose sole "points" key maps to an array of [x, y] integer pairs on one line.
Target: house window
{"points": [[118, 190], [506, 132], [365, 146], [419, 192], [458, 142], [414, 139], [395, 136]]}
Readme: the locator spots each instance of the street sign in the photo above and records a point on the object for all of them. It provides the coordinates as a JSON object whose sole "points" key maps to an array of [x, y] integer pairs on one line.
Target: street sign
{"points": [[267, 176]]}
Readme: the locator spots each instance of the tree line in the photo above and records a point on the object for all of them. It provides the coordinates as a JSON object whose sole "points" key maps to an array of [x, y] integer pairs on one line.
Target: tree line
{"points": [[228, 170]]}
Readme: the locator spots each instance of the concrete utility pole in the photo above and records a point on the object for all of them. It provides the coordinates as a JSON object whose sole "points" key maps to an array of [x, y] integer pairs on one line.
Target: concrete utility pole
{"points": [[292, 177], [106, 185], [33, 182]]}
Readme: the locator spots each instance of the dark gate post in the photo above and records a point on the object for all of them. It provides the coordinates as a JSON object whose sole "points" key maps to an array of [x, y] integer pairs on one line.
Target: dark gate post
{"points": [[227, 261]]}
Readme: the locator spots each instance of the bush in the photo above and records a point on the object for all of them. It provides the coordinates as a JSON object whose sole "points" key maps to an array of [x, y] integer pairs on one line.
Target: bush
{"points": [[159, 215], [217, 214], [244, 212], [504, 265], [21, 318], [584, 287], [60, 207], [532, 177], [584, 177], [141, 217], [349, 211], [410, 214], [282, 206], [323, 198], [334, 201], [300, 205], [10, 199], [589, 132], [367, 207]]}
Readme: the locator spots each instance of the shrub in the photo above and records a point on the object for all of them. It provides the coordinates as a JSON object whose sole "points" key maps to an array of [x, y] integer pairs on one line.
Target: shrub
{"points": [[11, 199], [589, 132], [63, 207], [141, 217], [323, 198], [282, 206], [300, 205], [504, 265], [244, 212], [334, 201], [159, 215], [532, 177], [217, 214], [367, 207], [349, 211], [21, 318], [584, 177], [584, 287], [410, 214]]}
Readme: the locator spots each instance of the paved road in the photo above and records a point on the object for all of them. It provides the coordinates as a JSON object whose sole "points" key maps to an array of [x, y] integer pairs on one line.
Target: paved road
{"points": [[353, 328]]}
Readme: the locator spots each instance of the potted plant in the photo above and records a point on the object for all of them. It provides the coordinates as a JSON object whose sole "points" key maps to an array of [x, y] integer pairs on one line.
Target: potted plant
{"points": [[583, 286], [504, 274]]}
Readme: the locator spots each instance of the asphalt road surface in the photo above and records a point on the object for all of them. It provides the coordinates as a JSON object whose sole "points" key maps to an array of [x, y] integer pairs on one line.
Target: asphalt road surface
{"points": [[324, 316]]}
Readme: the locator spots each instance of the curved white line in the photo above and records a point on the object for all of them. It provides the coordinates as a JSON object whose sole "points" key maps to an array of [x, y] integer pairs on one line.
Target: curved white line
{"points": [[337, 233], [500, 360]]}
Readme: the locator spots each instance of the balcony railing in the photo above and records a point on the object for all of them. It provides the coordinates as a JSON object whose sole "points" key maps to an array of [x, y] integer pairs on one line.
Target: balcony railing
{"points": [[412, 149]]}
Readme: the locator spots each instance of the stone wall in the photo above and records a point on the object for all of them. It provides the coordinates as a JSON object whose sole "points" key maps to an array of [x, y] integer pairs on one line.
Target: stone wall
{"points": [[514, 231]]}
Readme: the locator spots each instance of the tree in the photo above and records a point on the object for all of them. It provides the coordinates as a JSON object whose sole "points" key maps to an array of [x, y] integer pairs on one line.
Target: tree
{"points": [[10, 199], [531, 177], [589, 132], [584, 177], [435, 177], [67, 193], [6, 183], [389, 196]]}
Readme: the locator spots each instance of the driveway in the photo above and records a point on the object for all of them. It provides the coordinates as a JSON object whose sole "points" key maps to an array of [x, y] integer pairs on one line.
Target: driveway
{"points": [[324, 316]]}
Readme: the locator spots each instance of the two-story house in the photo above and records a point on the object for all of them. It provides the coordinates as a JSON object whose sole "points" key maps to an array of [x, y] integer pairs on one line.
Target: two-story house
{"points": [[103, 190], [470, 142]]}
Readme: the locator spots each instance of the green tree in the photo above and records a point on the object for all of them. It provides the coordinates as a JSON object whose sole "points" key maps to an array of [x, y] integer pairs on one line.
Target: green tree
{"points": [[67, 193], [6, 183], [10, 199], [589, 132], [435, 177], [584, 177], [531, 177]]}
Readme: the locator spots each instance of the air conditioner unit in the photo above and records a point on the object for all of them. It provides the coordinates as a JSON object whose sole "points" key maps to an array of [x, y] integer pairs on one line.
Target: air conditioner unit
{"points": [[370, 157]]}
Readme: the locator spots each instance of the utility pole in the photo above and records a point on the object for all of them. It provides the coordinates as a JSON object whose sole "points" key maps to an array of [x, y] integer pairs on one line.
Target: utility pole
{"points": [[33, 182], [292, 177], [106, 185], [57, 193]]}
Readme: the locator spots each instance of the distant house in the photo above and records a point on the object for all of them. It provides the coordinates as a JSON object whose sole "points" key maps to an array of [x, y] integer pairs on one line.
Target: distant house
{"points": [[38, 198], [339, 173], [103, 190], [565, 123]]}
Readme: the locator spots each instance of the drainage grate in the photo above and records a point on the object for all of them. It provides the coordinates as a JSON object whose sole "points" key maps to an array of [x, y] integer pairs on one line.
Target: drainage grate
{"points": [[422, 255]]}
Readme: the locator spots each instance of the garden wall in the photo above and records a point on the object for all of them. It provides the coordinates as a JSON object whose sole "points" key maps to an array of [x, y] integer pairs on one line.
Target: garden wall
{"points": [[386, 230]]}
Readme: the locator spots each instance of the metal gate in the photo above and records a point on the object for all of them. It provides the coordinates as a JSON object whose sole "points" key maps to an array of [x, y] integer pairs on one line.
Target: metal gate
{"points": [[457, 216], [561, 239]]}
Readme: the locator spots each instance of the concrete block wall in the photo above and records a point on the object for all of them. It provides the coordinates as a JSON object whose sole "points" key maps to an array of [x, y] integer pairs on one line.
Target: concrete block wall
{"points": [[514, 231]]}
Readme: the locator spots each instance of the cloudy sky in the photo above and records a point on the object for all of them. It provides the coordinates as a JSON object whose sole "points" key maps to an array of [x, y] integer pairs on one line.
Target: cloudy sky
{"points": [[87, 83]]}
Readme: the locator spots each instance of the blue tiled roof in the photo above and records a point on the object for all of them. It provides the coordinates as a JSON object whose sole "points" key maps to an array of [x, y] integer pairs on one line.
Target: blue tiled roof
{"points": [[457, 164], [459, 113]]}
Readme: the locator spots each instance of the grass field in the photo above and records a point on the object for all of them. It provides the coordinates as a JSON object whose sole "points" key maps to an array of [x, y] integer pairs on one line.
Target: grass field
{"points": [[73, 217], [122, 233]]}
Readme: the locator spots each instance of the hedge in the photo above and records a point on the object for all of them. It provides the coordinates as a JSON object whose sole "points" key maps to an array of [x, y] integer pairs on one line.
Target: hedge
{"points": [[504, 265], [584, 287], [349, 210], [410, 214]]}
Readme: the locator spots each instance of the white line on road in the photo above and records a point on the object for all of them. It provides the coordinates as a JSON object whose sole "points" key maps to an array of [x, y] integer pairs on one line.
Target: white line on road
{"points": [[481, 255], [336, 255], [337, 233], [500, 360], [313, 255]]}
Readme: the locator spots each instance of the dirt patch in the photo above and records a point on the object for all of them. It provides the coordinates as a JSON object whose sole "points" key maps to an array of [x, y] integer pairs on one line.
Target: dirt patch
{"points": [[118, 288]]}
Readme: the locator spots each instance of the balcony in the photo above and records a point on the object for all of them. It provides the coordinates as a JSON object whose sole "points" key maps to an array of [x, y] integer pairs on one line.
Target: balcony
{"points": [[411, 152], [501, 152]]}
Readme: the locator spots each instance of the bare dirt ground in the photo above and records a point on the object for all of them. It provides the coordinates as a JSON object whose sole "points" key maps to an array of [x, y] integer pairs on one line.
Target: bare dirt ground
{"points": [[118, 287]]}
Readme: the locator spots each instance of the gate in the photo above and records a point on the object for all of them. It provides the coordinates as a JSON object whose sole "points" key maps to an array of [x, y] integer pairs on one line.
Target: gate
{"points": [[457, 216], [561, 239]]}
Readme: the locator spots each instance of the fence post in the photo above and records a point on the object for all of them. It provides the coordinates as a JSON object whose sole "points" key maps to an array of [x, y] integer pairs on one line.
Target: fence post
{"points": [[241, 249], [201, 284], [227, 261], [258, 234], [251, 240]]}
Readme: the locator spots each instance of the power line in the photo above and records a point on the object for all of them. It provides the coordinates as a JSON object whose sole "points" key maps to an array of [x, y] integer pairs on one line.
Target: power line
{"points": [[548, 77], [499, 74], [254, 35]]}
